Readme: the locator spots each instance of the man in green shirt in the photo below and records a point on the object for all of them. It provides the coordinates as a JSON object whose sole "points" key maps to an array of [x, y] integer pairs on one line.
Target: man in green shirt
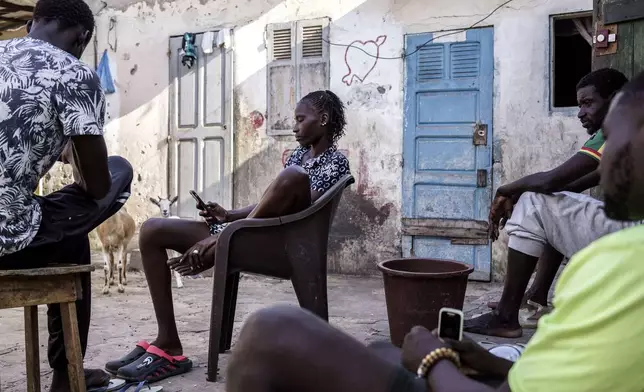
{"points": [[547, 218], [590, 342]]}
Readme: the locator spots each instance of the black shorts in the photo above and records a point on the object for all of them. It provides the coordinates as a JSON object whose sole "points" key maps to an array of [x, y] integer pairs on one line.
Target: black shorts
{"points": [[406, 381], [68, 216]]}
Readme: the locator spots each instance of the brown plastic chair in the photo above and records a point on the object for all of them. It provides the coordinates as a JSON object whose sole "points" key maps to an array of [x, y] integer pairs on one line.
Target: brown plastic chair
{"points": [[289, 247]]}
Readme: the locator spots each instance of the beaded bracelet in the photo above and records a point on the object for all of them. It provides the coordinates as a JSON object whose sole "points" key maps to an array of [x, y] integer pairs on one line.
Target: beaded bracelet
{"points": [[433, 357]]}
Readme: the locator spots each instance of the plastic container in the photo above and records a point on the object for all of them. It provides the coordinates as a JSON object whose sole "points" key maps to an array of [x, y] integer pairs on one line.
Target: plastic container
{"points": [[416, 289], [511, 352]]}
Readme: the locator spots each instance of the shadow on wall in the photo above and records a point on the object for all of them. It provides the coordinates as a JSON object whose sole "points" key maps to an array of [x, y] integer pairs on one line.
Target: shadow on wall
{"points": [[356, 239], [365, 229]]}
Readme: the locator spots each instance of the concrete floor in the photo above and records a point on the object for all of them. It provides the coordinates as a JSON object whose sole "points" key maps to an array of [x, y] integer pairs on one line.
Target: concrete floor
{"points": [[357, 306]]}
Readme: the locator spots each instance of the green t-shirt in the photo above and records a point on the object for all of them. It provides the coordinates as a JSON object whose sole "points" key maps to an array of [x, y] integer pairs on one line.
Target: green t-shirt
{"points": [[592, 341], [594, 146]]}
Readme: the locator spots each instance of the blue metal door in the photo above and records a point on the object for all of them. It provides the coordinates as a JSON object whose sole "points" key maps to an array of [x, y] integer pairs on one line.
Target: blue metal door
{"points": [[447, 159]]}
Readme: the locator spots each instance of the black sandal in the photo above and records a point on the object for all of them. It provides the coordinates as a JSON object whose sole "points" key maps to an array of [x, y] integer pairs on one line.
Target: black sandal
{"points": [[488, 324], [141, 348], [155, 365]]}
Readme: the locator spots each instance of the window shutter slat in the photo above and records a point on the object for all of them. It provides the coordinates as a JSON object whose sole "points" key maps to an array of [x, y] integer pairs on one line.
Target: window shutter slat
{"points": [[281, 79]]}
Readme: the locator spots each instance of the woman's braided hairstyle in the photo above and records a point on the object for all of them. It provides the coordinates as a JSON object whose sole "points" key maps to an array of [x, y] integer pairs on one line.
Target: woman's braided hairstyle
{"points": [[68, 13], [325, 101]]}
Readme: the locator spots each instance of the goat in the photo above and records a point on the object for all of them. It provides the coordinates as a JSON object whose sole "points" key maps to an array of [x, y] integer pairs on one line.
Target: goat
{"points": [[115, 235], [165, 205]]}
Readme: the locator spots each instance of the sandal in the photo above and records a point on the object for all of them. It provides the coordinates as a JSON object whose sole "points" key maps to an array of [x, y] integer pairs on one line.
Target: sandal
{"points": [[530, 318], [141, 387], [155, 365], [113, 367], [114, 385], [489, 324]]}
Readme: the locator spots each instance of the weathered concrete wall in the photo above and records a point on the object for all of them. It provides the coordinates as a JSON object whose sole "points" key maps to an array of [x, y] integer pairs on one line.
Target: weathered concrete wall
{"points": [[527, 136]]}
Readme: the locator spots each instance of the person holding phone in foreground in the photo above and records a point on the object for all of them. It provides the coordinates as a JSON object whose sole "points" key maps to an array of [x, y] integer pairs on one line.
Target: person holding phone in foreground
{"points": [[312, 169], [590, 342]]}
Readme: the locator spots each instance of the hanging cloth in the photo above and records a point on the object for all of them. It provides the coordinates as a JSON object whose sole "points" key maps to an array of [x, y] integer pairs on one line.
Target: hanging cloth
{"points": [[223, 38], [105, 75], [188, 53], [208, 42]]}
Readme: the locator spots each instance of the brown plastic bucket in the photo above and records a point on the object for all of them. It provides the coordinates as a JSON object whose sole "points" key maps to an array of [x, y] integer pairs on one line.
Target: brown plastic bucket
{"points": [[416, 289]]}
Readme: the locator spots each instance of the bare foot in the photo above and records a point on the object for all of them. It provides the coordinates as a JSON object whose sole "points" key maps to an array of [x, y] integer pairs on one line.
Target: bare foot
{"points": [[491, 324]]}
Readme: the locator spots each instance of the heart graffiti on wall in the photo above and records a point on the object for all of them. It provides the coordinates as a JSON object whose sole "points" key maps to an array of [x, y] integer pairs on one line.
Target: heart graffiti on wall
{"points": [[361, 58]]}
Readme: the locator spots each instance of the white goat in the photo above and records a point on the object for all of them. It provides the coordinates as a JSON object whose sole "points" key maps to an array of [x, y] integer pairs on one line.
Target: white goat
{"points": [[115, 235], [165, 205]]}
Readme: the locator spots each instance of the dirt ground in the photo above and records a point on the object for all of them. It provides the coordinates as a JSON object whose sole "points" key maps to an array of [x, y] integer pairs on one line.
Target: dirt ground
{"points": [[356, 305]]}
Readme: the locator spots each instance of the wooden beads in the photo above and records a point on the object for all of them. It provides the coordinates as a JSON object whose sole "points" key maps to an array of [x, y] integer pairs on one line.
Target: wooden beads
{"points": [[434, 357]]}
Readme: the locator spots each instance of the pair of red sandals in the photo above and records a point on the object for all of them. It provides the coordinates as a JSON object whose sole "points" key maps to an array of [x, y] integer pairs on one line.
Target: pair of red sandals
{"points": [[148, 363]]}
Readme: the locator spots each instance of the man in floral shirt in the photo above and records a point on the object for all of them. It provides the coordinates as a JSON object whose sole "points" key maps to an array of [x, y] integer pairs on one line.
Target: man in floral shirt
{"points": [[52, 108]]}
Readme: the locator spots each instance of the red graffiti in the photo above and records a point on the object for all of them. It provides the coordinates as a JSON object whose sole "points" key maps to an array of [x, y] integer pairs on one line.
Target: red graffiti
{"points": [[364, 61], [256, 119]]}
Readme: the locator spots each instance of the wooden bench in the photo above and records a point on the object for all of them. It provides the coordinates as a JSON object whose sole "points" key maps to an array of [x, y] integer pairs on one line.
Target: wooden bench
{"points": [[29, 288]]}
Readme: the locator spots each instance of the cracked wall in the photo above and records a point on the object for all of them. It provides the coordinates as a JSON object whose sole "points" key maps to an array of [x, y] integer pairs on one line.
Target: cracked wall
{"points": [[527, 136]]}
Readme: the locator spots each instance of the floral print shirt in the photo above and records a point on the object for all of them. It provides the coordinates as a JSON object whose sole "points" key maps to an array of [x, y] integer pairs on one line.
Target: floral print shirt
{"points": [[324, 170], [46, 96]]}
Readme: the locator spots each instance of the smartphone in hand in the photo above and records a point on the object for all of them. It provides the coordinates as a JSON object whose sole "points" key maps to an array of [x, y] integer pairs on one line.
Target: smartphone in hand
{"points": [[200, 203], [450, 324]]}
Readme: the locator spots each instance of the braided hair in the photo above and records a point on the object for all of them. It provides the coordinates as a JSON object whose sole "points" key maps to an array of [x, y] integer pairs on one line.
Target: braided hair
{"points": [[68, 13], [325, 101]]}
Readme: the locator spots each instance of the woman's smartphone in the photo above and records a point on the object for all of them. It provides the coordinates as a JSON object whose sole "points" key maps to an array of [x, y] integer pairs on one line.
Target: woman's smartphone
{"points": [[450, 324], [200, 204]]}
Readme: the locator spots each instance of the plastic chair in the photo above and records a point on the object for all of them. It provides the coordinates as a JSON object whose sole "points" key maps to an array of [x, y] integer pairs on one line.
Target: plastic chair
{"points": [[289, 247]]}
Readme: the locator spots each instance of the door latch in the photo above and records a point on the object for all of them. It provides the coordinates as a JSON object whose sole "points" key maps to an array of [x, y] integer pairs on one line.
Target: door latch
{"points": [[479, 138], [481, 178]]}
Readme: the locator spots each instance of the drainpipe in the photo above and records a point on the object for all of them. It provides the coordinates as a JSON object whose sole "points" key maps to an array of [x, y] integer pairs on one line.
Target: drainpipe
{"points": [[95, 48]]}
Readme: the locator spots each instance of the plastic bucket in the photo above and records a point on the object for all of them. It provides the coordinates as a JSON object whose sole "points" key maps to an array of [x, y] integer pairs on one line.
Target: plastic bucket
{"points": [[416, 289]]}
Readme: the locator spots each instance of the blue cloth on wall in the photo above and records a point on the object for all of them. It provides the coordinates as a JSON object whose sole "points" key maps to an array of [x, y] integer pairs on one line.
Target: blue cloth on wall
{"points": [[105, 75]]}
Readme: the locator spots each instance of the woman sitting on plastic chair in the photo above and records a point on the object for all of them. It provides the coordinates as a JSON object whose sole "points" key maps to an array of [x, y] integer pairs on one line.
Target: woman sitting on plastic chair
{"points": [[312, 169]]}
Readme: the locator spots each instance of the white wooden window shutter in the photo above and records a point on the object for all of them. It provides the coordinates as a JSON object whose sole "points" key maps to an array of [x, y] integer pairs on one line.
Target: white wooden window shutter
{"points": [[298, 63], [281, 84], [312, 56]]}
